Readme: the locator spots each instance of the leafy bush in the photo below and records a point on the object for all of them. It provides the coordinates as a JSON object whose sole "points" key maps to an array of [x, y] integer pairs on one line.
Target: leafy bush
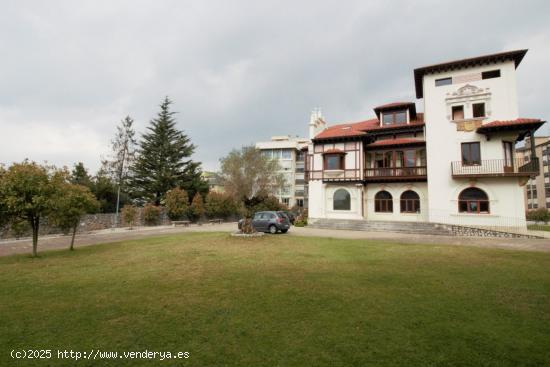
{"points": [[301, 220], [539, 215], [177, 203], [219, 205], [262, 203], [129, 215], [196, 209], [151, 214]]}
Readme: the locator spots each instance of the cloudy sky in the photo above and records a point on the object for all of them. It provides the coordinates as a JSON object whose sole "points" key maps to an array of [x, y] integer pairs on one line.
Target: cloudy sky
{"points": [[238, 71]]}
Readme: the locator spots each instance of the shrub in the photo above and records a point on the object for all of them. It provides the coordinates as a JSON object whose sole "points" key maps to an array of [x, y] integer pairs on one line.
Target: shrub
{"points": [[129, 215], [151, 214], [262, 203], [539, 215], [177, 203], [301, 220], [196, 209], [219, 205]]}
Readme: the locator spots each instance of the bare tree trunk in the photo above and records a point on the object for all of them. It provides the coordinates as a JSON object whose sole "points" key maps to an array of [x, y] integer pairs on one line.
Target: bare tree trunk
{"points": [[35, 223], [72, 239]]}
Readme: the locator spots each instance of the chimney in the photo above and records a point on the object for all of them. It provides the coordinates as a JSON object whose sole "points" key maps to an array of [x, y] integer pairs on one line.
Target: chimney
{"points": [[316, 123]]}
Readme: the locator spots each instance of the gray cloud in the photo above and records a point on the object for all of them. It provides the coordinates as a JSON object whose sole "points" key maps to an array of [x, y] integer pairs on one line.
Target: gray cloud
{"points": [[238, 71]]}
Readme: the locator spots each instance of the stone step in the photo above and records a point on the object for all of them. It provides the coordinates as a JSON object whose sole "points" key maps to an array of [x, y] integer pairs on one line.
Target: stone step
{"points": [[381, 226]]}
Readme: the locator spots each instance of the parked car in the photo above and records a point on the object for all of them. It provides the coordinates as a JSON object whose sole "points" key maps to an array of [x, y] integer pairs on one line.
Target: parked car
{"points": [[269, 221]]}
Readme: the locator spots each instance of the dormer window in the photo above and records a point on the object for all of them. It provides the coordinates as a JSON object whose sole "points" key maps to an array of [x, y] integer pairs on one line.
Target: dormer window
{"points": [[394, 117]]}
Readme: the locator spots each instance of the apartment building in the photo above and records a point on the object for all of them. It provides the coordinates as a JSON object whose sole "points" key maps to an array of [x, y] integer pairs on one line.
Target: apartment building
{"points": [[537, 189], [453, 163], [289, 152]]}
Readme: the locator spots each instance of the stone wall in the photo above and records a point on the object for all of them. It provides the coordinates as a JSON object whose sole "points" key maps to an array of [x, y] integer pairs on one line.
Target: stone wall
{"points": [[90, 222], [481, 232]]}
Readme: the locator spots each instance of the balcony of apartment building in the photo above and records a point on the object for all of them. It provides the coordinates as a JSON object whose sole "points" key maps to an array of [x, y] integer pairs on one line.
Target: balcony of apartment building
{"points": [[507, 167], [471, 165], [395, 160]]}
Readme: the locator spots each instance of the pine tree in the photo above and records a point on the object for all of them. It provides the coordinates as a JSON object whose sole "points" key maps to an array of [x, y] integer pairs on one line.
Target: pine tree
{"points": [[163, 161]]}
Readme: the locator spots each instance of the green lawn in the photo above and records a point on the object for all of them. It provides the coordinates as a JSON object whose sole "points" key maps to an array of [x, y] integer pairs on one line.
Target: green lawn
{"points": [[280, 301]]}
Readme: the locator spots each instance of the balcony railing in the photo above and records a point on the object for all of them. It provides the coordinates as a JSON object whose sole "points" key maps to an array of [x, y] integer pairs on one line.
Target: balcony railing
{"points": [[497, 168], [395, 173]]}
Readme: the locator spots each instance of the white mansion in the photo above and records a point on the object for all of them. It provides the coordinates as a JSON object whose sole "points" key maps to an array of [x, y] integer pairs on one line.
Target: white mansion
{"points": [[454, 163]]}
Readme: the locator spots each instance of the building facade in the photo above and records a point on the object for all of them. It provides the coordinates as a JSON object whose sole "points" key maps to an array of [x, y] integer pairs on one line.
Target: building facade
{"points": [[290, 153], [537, 189], [454, 163], [214, 181]]}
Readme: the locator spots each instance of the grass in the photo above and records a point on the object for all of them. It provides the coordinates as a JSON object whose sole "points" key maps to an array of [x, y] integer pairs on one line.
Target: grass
{"points": [[539, 227], [280, 301]]}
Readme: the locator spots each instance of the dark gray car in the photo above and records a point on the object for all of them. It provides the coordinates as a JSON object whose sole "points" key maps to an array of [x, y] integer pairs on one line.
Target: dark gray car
{"points": [[269, 221]]}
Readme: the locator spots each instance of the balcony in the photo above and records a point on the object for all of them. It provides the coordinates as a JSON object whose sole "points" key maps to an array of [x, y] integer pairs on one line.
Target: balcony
{"points": [[393, 174], [516, 167]]}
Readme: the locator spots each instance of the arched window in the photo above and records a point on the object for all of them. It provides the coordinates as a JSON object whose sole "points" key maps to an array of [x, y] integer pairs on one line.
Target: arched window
{"points": [[410, 202], [341, 200], [383, 202], [473, 200]]}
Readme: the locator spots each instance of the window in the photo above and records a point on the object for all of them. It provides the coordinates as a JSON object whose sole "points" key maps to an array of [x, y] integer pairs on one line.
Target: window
{"points": [[383, 202], [267, 153], [394, 118], [334, 161], [473, 200], [458, 113], [471, 154], [490, 74], [300, 203], [286, 201], [410, 202], [287, 154], [508, 153], [341, 200], [478, 110], [443, 81]]}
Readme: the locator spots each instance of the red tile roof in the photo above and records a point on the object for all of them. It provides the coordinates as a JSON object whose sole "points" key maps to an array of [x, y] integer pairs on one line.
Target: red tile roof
{"points": [[362, 128], [516, 122], [399, 141]]}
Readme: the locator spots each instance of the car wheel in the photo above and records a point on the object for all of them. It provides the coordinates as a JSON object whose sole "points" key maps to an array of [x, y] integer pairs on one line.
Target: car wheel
{"points": [[272, 229], [284, 230]]}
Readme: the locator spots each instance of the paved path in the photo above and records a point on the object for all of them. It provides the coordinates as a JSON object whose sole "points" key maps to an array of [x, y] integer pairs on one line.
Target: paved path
{"points": [[57, 242]]}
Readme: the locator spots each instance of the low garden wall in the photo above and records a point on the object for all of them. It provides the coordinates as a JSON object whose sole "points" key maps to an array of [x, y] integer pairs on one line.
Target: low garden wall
{"points": [[90, 222]]}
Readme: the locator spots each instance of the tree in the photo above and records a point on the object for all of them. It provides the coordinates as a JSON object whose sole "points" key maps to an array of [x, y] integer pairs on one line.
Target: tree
{"points": [[196, 209], [163, 161], [219, 205], [129, 215], [104, 188], [80, 176], [177, 203], [151, 214], [75, 201], [28, 191], [247, 173], [123, 149]]}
